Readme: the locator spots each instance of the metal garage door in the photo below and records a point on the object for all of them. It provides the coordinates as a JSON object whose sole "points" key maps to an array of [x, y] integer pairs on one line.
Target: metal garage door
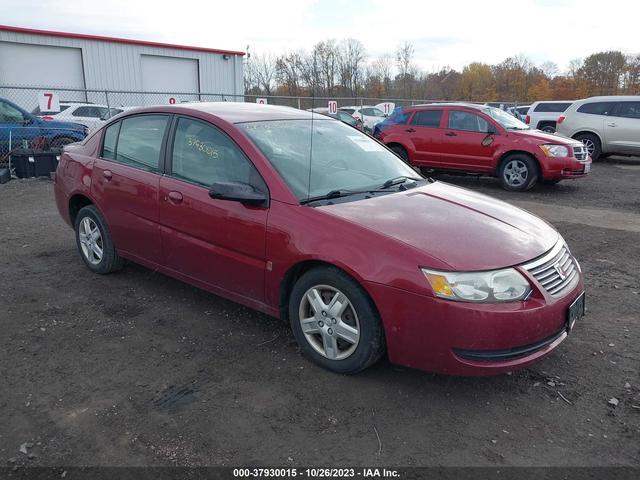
{"points": [[43, 66], [170, 75]]}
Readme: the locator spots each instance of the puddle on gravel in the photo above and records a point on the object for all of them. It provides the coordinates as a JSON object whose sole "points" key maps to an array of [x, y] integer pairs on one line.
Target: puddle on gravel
{"points": [[174, 396]]}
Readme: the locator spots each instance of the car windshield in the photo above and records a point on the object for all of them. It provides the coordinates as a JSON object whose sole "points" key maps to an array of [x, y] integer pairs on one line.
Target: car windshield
{"points": [[335, 157], [376, 112], [503, 118]]}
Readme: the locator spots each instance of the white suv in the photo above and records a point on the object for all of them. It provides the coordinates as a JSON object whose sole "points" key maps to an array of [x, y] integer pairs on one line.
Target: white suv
{"points": [[88, 114], [543, 115], [605, 125]]}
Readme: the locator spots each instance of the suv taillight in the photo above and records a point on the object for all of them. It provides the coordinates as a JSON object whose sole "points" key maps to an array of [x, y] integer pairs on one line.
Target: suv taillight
{"points": [[527, 119], [560, 119], [47, 117]]}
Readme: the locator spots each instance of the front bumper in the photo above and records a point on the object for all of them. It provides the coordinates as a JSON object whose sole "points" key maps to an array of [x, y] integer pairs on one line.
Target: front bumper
{"points": [[559, 168], [442, 336]]}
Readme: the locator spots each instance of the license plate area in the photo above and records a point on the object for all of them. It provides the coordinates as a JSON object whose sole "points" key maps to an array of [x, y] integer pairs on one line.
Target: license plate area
{"points": [[576, 311], [587, 167]]}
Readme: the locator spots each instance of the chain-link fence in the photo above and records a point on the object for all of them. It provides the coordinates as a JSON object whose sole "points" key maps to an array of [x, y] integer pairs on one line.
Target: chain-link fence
{"points": [[29, 128]]}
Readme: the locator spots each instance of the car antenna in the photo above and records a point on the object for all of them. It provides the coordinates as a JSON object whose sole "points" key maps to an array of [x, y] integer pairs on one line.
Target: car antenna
{"points": [[313, 105]]}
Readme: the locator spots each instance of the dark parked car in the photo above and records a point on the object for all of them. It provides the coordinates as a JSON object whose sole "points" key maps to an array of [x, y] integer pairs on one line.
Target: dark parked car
{"points": [[479, 139], [19, 128], [324, 227], [339, 115]]}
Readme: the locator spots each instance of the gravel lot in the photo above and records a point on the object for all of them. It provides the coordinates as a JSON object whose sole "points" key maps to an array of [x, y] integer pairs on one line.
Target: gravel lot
{"points": [[138, 369]]}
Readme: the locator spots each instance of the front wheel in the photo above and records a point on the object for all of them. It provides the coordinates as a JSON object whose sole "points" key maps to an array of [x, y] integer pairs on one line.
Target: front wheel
{"points": [[518, 173], [335, 322], [592, 144], [95, 243]]}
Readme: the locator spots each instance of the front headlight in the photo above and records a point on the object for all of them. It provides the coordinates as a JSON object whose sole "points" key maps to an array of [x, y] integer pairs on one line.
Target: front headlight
{"points": [[551, 150], [506, 285]]}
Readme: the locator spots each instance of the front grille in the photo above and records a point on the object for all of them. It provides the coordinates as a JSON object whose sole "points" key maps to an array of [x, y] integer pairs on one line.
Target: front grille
{"points": [[556, 270], [580, 152]]}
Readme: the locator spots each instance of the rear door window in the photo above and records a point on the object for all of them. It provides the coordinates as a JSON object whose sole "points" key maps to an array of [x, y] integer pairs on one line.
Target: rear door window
{"points": [[427, 118], [110, 141], [139, 141], [628, 110]]}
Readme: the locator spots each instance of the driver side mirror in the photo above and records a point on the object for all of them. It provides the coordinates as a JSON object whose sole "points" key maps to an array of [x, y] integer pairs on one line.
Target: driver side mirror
{"points": [[238, 192]]}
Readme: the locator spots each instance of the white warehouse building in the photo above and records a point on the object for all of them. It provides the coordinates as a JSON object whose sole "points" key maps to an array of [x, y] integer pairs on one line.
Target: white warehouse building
{"points": [[82, 67]]}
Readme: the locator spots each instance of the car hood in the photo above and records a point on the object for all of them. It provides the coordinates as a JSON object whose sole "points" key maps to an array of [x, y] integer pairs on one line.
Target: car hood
{"points": [[61, 125], [462, 229], [543, 137]]}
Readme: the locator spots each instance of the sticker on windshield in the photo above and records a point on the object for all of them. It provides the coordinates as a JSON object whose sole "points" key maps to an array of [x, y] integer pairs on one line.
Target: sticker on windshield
{"points": [[366, 144]]}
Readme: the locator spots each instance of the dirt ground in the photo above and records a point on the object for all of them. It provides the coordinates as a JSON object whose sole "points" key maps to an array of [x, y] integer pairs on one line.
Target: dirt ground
{"points": [[139, 369]]}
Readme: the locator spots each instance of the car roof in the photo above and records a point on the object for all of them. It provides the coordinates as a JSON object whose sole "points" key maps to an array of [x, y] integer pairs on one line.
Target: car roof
{"points": [[474, 106], [610, 98], [235, 112], [552, 101]]}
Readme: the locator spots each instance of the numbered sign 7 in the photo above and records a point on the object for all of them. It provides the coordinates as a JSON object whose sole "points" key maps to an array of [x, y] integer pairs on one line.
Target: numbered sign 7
{"points": [[48, 102]]}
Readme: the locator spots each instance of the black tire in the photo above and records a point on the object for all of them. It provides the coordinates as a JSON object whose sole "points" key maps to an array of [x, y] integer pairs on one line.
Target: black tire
{"points": [[518, 172], [361, 312], [60, 142], [110, 261], [401, 152], [593, 144], [548, 128]]}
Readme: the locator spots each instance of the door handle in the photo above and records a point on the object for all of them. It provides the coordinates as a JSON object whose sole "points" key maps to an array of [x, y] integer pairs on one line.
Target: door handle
{"points": [[174, 197], [451, 134], [612, 124], [410, 130], [107, 175]]}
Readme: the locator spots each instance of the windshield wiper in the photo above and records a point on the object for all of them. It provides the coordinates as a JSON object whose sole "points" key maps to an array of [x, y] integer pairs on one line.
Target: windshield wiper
{"points": [[398, 180], [330, 195]]}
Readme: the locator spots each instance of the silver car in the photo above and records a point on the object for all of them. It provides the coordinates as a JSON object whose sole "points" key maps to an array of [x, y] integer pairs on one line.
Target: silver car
{"points": [[605, 125]]}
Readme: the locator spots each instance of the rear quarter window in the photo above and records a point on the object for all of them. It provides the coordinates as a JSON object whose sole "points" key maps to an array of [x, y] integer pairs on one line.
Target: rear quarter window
{"points": [[552, 107], [596, 108]]}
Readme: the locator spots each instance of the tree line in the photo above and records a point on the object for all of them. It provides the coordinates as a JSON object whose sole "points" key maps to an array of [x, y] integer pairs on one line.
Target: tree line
{"points": [[343, 69]]}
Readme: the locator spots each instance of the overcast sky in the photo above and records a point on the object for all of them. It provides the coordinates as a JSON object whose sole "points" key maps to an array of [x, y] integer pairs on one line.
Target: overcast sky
{"points": [[444, 33]]}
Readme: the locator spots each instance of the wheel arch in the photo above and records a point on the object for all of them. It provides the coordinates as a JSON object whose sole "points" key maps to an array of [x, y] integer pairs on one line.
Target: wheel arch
{"points": [[296, 271], [77, 201], [507, 154], [589, 132]]}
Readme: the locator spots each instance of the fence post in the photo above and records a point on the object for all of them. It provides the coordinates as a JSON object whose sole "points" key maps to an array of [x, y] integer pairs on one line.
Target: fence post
{"points": [[106, 97], [299, 107]]}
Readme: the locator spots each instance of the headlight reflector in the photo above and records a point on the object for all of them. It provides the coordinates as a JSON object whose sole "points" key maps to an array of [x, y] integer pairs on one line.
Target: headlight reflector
{"points": [[506, 285], [551, 150]]}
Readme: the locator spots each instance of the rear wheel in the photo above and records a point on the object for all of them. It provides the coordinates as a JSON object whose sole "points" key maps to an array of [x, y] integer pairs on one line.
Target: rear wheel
{"points": [[592, 143], [518, 172], [548, 128], [401, 152], [335, 322], [95, 243]]}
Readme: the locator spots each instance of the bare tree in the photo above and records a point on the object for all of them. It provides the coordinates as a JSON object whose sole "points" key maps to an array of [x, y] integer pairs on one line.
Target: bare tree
{"points": [[351, 60], [407, 71], [264, 71], [550, 69]]}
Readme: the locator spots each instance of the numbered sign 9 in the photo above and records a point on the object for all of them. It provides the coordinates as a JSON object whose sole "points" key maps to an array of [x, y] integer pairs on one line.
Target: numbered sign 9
{"points": [[333, 107], [172, 100], [48, 102], [261, 101]]}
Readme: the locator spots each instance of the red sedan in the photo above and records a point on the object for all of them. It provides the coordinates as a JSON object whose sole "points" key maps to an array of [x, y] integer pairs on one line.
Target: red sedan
{"points": [[307, 219], [463, 137]]}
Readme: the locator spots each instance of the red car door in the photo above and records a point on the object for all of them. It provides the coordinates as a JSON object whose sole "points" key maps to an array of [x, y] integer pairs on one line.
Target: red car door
{"points": [[466, 145], [219, 243], [125, 183], [426, 136]]}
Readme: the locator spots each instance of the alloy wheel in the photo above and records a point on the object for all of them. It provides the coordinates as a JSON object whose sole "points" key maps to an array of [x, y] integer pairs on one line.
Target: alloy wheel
{"points": [[590, 146], [329, 322], [516, 173], [91, 242]]}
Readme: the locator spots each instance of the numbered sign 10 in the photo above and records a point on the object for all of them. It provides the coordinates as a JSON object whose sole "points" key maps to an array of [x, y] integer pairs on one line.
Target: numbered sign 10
{"points": [[333, 107], [48, 102]]}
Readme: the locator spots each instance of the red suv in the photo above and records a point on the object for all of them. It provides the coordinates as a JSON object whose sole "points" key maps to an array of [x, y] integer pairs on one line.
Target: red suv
{"points": [[317, 223], [480, 139]]}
